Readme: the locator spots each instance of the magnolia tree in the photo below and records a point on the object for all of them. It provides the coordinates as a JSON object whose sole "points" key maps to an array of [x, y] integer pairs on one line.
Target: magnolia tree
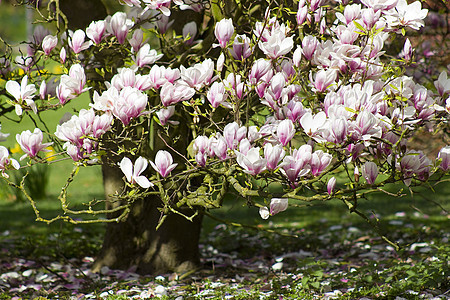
{"points": [[276, 102]]}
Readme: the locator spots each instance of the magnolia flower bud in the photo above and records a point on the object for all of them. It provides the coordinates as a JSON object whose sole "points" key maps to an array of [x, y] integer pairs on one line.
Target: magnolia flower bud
{"points": [[370, 172], [331, 185], [163, 163], [62, 55], [224, 31], [278, 205], [444, 155], [285, 131], [49, 43]]}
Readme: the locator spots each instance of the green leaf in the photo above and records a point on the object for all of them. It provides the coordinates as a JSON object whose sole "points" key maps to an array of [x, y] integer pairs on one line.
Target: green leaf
{"points": [[351, 110], [359, 26]]}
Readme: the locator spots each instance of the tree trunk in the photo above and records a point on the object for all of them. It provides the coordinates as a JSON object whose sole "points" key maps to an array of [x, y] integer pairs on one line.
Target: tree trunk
{"points": [[136, 243]]}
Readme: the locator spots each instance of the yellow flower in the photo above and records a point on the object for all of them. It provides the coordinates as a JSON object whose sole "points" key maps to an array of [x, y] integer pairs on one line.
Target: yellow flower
{"points": [[16, 149], [51, 154]]}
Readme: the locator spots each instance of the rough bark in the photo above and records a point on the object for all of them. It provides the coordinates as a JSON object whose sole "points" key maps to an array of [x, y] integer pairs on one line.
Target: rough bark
{"points": [[136, 243]]}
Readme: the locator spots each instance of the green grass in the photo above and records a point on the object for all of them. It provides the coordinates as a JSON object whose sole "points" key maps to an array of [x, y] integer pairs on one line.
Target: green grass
{"points": [[12, 23]]}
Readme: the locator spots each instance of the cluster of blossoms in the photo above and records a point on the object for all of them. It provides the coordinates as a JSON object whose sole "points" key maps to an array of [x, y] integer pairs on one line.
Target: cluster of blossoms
{"points": [[322, 101], [163, 165], [240, 143], [81, 133]]}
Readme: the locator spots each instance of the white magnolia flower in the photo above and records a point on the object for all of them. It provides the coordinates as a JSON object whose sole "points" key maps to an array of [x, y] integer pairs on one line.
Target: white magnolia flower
{"points": [[133, 172], [22, 92], [411, 15]]}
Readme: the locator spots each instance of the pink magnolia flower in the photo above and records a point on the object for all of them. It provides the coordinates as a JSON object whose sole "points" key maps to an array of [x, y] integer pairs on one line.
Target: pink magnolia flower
{"points": [[76, 80], [442, 84], [164, 24], [297, 56], [319, 162], [200, 158], [370, 172], [62, 55], [444, 156], [224, 31], [365, 127], [156, 76], [77, 43], [323, 79], [411, 163], [234, 83], [64, 94], [273, 155], [301, 13], [338, 129], [297, 164], [39, 33], [241, 47], [278, 205], [190, 5], [133, 172], [407, 51], [6, 162], [260, 68], [31, 143], [252, 162], [49, 43], [285, 131], [95, 31], [22, 92], [201, 144], [216, 94], [43, 90], [380, 4], [294, 110], [125, 77], [71, 131], [277, 44], [351, 13], [189, 32], [233, 134], [277, 84], [129, 105], [118, 25], [309, 45], [244, 146], [253, 133], [164, 115], [146, 56], [161, 5], [199, 75], [219, 148], [71, 85], [331, 185], [174, 93], [163, 163], [171, 74], [101, 124], [73, 151]]}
